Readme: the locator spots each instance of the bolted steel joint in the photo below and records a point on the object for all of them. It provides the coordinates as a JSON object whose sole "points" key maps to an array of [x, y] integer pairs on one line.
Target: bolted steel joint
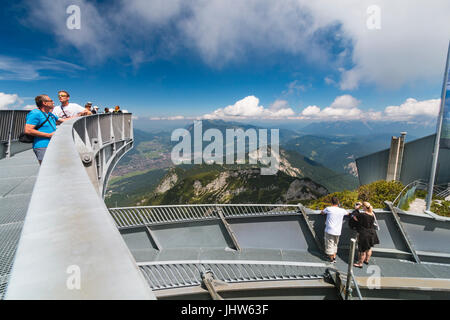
{"points": [[86, 158]]}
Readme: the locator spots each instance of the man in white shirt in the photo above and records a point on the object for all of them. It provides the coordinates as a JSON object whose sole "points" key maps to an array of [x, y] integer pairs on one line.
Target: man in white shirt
{"points": [[333, 227], [66, 109]]}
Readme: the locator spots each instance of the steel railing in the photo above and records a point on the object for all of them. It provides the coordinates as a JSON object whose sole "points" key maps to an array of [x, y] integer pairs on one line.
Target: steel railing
{"points": [[140, 216], [78, 232], [12, 123]]}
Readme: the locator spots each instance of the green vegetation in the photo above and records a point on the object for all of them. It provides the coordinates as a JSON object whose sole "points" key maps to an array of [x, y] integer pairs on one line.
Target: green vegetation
{"points": [[220, 184], [131, 189], [375, 193], [441, 208], [322, 175]]}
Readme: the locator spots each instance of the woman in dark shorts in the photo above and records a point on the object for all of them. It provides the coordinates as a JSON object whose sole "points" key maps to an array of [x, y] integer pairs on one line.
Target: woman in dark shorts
{"points": [[367, 234]]}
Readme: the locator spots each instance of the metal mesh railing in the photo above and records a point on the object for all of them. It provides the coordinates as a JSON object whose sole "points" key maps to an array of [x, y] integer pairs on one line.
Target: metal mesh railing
{"points": [[169, 275], [140, 216], [12, 123]]}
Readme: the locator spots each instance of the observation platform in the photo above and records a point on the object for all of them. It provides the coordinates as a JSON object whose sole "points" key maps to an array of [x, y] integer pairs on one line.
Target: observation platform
{"points": [[58, 240]]}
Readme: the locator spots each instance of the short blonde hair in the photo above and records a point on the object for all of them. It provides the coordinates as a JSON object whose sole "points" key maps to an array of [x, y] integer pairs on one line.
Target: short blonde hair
{"points": [[368, 206]]}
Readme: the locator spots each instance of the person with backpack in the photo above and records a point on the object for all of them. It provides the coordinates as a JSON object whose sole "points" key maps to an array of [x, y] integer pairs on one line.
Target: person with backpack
{"points": [[41, 124], [353, 222], [367, 227]]}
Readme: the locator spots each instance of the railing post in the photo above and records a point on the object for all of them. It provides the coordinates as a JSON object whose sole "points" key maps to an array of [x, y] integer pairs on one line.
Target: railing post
{"points": [[350, 268], [8, 147]]}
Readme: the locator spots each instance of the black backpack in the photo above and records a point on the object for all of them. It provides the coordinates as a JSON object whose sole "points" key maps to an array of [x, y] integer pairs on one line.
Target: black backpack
{"points": [[352, 224], [26, 138]]}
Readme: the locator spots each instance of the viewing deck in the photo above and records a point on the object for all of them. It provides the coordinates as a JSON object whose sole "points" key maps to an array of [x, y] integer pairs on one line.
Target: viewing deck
{"points": [[55, 227]]}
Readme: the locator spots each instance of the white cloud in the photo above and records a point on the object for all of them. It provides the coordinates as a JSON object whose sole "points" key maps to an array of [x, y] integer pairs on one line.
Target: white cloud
{"points": [[279, 104], [412, 108], [170, 118], [346, 108], [15, 69], [6, 100], [249, 108], [311, 111], [98, 36], [329, 80], [343, 108], [345, 102], [294, 88], [29, 107], [410, 45]]}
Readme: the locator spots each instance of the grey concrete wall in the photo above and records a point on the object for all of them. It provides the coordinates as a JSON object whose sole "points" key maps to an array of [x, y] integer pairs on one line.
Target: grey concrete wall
{"points": [[416, 163]]}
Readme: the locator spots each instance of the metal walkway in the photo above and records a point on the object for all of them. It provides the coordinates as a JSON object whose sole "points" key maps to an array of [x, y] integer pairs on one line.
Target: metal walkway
{"points": [[17, 177], [175, 245]]}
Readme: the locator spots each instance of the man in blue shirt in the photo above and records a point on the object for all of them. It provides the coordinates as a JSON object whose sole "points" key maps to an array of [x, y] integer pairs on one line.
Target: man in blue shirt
{"points": [[38, 117]]}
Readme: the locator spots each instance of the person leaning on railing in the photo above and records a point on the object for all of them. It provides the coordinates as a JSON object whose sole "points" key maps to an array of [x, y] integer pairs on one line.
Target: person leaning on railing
{"points": [[68, 109], [43, 118], [366, 225]]}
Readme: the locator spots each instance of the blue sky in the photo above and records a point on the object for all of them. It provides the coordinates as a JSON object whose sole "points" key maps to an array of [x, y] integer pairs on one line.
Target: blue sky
{"points": [[238, 59]]}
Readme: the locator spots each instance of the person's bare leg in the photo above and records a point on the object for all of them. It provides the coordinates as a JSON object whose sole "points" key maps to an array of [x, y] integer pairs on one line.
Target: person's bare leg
{"points": [[362, 256], [368, 255]]}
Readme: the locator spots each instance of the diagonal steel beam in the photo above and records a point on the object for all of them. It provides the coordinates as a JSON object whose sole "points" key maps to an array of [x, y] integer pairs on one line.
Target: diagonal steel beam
{"points": [[210, 284], [228, 228], [402, 230], [310, 227]]}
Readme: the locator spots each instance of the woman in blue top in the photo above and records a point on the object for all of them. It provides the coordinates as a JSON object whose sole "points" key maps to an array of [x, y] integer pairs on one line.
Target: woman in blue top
{"points": [[42, 116]]}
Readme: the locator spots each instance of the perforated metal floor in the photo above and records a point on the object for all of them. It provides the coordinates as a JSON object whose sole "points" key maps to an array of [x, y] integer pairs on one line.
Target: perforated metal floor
{"points": [[17, 177]]}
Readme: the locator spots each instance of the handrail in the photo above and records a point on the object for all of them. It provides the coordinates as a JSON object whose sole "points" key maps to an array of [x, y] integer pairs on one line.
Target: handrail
{"points": [[421, 183], [408, 186], [12, 123], [70, 247], [355, 283]]}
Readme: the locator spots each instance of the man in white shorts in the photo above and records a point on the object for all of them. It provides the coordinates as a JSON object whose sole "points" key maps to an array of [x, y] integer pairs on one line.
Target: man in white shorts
{"points": [[333, 227], [66, 109]]}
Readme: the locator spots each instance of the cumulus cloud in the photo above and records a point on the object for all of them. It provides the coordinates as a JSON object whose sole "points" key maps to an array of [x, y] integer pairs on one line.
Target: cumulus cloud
{"points": [[412, 108], [343, 108], [346, 107], [249, 108], [6, 100]]}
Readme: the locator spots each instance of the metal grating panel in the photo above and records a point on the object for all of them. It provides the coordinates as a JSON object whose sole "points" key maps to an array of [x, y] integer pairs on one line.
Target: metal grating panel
{"points": [[117, 121], [169, 275], [105, 128], [140, 216], [9, 239]]}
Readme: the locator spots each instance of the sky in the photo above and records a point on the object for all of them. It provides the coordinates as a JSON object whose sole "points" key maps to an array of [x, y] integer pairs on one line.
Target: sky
{"points": [[292, 60]]}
